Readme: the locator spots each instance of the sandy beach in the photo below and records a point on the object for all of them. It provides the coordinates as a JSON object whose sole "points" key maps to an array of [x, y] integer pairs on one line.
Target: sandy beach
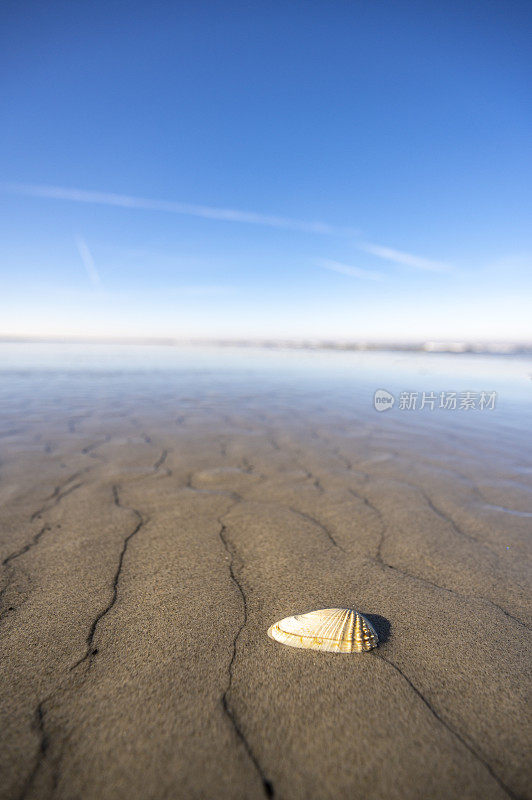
{"points": [[148, 544]]}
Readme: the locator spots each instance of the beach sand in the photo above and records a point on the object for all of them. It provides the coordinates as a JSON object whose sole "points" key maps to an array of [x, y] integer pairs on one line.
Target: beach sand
{"points": [[146, 550]]}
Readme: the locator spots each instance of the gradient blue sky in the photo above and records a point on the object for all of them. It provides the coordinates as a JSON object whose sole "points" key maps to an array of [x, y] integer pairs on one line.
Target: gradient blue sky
{"points": [[282, 169]]}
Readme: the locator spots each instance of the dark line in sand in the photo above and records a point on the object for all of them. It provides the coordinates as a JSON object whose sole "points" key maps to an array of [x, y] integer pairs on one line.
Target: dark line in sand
{"points": [[90, 652], [309, 476], [317, 484], [246, 466], [89, 449], [26, 547], [349, 464], [367, 502], [56, 497], [316, 522], [446, 518], [386, 564], [455, 733], [58, 494], [160, 461], [57, 500], [266, 784]]}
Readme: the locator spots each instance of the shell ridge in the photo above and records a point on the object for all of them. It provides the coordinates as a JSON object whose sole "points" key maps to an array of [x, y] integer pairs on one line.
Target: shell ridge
{"points": [[350, 622], [343, 639], [329, 630], [326, 628]]}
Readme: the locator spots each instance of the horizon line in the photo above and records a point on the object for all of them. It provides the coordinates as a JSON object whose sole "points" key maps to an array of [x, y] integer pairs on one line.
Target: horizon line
{"points": [[430, 345]]}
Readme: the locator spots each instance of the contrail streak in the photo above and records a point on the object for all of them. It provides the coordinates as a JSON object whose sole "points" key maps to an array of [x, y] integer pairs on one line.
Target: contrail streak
{"points": [[88, 261], [406, 259], [189, 209], [229, 215], [346, 269]]}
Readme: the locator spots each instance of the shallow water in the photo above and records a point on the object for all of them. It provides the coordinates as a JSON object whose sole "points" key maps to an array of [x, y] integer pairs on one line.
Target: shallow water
{"points": [[344, 378], [39, 380], [50, 390]]}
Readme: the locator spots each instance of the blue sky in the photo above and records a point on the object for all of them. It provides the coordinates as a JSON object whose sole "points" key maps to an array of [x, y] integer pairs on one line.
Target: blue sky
{"points": [[318, 169]]}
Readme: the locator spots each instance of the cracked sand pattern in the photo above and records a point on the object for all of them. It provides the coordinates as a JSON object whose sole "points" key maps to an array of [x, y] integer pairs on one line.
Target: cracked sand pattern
{"points": [[226, 703], [91, 650], [140, 572]]}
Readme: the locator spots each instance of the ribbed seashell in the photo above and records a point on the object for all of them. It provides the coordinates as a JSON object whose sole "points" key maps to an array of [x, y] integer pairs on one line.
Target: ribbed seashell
{"points": [[334, 630]]}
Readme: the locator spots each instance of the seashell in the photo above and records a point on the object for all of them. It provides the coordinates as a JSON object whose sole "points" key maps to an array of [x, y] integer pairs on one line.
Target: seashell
{"points": [[334, 630]]}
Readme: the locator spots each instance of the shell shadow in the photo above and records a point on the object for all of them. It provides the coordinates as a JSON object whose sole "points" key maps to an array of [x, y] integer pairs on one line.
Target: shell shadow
{"points": [[381, 625]]}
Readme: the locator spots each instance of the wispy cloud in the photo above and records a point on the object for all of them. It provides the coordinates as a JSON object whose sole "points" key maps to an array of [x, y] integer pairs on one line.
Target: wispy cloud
{"points": [[406, 259], [88, 261], [232, 215], [189, 209], [346, 269]]}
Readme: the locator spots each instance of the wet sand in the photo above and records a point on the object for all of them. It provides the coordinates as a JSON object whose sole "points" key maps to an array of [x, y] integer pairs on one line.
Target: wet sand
{"points": [[146, 548]]}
